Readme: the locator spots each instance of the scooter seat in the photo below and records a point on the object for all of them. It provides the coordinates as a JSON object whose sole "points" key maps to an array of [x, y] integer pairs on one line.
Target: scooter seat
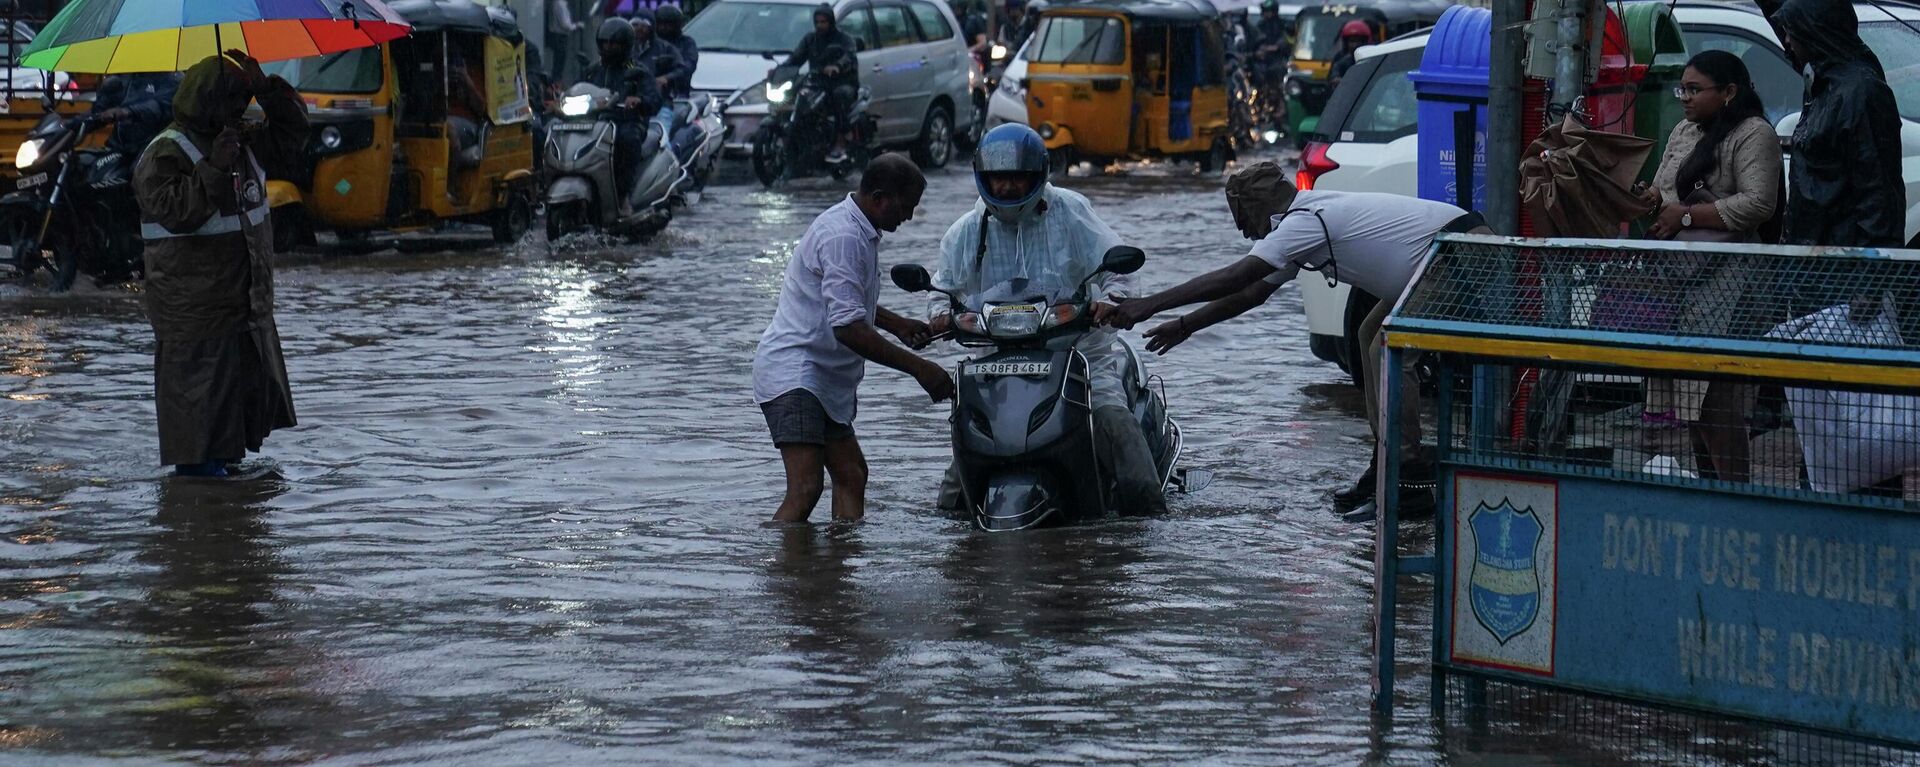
{"points": [[682, 113]]}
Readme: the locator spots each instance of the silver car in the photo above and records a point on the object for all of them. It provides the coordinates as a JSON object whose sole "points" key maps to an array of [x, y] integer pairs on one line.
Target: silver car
{"points": [[913, 61]]}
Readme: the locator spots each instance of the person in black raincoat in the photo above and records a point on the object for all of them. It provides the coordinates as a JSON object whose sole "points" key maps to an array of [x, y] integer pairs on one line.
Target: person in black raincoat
{"points": [[669, 23], [219, 379], [636, 97], [1844, 185], [139, 106], [830, 52]]}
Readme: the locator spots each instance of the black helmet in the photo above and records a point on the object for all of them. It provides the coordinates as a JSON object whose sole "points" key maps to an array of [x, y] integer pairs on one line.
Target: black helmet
{"points": [[1269, 5], [669, 14], [615, 31]]}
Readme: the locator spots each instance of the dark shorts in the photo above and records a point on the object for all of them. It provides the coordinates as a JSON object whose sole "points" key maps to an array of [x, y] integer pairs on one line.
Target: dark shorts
{"points": [[797, 417]]}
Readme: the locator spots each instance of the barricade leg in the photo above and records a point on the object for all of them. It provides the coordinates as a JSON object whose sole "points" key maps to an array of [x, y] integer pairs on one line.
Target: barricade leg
{"points": [[1386, 551]]}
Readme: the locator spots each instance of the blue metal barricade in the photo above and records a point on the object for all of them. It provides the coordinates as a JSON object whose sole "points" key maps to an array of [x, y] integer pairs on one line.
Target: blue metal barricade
{"points": [[1677, 473]]}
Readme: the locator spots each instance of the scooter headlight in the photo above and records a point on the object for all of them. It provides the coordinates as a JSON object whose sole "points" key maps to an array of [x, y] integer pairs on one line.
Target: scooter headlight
{"points": [[1013, 320], [29, 153], [997, 53], [577, 105], [1061, 314], [777, 93]]}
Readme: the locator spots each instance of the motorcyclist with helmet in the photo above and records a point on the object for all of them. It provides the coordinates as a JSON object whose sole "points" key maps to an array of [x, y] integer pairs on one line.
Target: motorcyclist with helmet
{"points": [[669, 23], [650, 52], [830, 52], [1025, 226], [1270, 45], [636, 98], [1353, 36], [1016, 23]]}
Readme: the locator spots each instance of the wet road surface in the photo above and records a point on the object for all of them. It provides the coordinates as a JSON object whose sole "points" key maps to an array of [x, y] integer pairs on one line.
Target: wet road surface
{"points": [[522, 522]]}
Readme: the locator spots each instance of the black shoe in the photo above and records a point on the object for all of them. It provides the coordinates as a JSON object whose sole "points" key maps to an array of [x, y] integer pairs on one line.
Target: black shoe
{"points": [[1361, 492], [1415, 503]]}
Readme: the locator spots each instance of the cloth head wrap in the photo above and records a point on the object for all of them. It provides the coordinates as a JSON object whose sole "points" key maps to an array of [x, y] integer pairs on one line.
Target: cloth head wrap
{"points": [[1258, 191]]}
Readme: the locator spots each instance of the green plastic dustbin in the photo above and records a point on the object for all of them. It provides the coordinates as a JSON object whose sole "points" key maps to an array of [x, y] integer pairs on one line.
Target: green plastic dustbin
{"points": [[1660, 47]]}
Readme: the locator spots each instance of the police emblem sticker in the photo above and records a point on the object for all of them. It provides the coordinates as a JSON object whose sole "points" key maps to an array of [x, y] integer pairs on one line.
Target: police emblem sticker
{"points": [[1505, 574]]}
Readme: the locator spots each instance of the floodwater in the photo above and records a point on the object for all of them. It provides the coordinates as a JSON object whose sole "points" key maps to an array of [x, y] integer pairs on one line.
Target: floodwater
{"points": [[523, 521]]}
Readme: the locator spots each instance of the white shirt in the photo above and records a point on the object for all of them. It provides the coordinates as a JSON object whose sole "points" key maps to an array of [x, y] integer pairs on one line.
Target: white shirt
{"points": [[832, 281], [1379, 239]]}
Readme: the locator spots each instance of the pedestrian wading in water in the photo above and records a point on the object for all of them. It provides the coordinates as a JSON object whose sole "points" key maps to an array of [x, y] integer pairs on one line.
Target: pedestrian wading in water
{"points": [[806, 375], [219, 381]]}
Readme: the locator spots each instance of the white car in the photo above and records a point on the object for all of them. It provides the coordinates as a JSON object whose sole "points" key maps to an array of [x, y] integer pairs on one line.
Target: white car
{"points": [[1008, 104], [1371, 121], [913, 61]]}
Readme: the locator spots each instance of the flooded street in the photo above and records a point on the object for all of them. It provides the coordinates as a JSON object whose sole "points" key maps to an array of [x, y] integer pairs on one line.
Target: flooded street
{"points": [[522, 521]]}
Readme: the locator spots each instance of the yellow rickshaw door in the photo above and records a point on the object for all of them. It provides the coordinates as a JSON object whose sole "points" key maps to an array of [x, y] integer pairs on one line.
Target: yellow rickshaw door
{"points": [[1080, 84]]}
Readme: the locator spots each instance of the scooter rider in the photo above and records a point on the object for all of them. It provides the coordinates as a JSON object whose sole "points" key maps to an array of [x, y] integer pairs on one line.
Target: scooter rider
{"points": [[830, 52], [668, 23], [1354, 35], [649, 52], [636, 97], [1374, 241], [139, 106], [1024, 226], [1271, 45]]}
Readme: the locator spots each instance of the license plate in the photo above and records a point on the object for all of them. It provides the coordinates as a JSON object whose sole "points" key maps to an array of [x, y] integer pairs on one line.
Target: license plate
{"points": [[565, 127], [32, 181], [1011, 368]]}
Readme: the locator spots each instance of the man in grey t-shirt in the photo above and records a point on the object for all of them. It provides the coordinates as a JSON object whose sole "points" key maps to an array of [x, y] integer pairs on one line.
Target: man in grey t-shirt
{"points": [[806, 374], [1375, 242]]}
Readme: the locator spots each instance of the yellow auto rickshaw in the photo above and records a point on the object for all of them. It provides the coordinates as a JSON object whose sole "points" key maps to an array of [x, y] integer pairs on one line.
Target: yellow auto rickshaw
{"points": [[430, 128], [1318, 32], [1116, 79]]}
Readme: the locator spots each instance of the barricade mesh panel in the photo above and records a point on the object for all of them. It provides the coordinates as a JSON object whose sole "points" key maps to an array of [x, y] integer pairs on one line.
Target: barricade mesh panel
{"points": [[1833, 297]]}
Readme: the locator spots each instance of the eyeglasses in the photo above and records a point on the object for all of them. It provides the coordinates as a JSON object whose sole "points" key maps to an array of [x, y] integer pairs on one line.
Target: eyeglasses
{"points": [[1684, 92]]}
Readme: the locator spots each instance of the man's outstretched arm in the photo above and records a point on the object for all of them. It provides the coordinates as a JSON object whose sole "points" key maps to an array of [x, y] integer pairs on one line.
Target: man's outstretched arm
{"points": [[1212, 286]]}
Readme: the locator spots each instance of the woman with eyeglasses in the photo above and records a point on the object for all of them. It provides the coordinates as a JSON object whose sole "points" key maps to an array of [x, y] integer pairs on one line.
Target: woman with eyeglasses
{"points": [[1719, 181]]}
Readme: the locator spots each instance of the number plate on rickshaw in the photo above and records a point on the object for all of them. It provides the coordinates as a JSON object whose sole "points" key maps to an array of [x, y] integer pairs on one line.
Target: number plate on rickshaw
{"points": [[32, 181], [1011, 368]]}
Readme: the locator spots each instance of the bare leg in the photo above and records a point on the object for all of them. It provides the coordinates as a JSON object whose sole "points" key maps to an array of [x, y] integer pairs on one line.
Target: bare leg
{"points": [[804, 483], [848, 467]]}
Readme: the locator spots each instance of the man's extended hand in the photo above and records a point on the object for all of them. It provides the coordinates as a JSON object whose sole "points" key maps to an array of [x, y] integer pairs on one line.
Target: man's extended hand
{"points": [[1124, 316], [935, 381], [914, 333], [1102, 310], [113, 115], [941, 325], [1168, 335], [226, 150]]}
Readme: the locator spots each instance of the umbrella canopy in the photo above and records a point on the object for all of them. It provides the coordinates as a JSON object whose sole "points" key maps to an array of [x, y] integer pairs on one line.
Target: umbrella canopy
{"points": [[112, 36]]}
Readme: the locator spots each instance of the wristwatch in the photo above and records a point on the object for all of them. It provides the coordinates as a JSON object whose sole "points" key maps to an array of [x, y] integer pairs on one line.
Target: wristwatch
{"points": [[1686, 219]]}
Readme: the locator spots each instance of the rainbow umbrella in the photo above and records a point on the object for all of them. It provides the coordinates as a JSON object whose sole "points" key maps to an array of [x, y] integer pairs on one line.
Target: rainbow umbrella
{"points": [[113, 36]]}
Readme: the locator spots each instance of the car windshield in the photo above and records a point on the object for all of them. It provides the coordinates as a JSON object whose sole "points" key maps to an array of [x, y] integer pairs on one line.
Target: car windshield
{"points": [[1081, 40], [751, 27], [354, 71], [1898, 47]]}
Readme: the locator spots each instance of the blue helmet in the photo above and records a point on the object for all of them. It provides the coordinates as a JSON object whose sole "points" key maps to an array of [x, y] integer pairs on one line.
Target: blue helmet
{"points": [[1010, 148]]}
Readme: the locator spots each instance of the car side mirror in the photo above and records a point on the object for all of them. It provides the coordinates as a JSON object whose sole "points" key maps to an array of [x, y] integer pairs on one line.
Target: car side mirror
{"points": [[1123, 259], [912, 278]]}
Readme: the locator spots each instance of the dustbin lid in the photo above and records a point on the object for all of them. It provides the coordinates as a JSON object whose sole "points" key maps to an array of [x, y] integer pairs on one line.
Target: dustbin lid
{"points": [[1458, 51], [1655, 37]]}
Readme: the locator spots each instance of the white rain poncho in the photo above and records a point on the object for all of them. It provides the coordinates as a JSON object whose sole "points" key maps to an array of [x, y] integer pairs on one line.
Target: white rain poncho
{"points": [[1055, 248]]}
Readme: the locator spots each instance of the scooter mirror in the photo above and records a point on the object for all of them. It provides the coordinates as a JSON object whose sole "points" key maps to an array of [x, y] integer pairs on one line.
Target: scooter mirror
{"points": [[912, 278], [1123, 259]]}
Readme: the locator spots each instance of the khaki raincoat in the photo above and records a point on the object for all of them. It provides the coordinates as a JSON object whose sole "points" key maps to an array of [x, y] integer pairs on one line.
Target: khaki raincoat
{"points": [[220, 383]]}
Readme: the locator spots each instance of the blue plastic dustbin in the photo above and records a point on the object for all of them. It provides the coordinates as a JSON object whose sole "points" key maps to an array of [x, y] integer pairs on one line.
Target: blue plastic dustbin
{"points": [[1451, 86]]}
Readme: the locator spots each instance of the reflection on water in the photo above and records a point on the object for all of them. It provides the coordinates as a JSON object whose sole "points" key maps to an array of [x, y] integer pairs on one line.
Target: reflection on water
{"points": [[521, 522]]}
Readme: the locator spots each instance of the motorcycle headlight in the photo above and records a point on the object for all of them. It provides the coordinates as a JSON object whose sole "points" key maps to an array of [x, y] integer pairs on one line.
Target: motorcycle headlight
{"points": [[1061, 314], [577, 105], [998, 52], [1013, 320], [29, 153], [777, 94]]}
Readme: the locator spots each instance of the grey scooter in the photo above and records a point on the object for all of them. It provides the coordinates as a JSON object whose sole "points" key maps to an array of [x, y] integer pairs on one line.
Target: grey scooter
{"points": [[1023, 437], [580, 171]]}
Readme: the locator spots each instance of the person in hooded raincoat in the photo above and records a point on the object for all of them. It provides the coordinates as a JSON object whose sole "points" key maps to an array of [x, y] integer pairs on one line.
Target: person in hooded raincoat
{"points": [[1844, 185], [220, 382], [1025, 227], [831, 52]]}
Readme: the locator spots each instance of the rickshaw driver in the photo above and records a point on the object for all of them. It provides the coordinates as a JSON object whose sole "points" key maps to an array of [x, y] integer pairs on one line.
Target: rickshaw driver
{"points": [[636, 96], [466, 113], [1024, 226], [829, 51]]}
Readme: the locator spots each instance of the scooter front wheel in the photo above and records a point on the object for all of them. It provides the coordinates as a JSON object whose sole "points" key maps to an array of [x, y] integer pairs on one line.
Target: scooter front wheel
{"points": [[564, 219]]}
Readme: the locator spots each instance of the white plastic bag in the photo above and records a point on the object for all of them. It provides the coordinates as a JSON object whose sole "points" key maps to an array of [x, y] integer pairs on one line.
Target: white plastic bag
{"points": [[1851, 440]]}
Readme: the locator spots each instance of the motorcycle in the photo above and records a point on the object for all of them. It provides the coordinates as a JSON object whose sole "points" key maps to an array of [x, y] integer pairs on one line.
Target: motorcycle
{"points": [[700, 133], [795, 138], [582, 191], [72, 210], [1024, 444]]}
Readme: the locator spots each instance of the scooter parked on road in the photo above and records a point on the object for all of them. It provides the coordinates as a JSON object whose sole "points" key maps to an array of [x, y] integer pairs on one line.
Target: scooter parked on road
{"points": [[582, 191], [1024, 442]]}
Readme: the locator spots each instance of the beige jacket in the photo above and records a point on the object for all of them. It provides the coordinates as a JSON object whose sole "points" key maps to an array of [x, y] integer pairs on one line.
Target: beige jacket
{"points": [[1745, 181]]}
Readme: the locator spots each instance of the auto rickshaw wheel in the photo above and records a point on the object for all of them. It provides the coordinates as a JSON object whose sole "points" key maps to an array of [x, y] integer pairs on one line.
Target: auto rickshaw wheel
{"points": [[935, 146], [1216, 157], [512, 222]]}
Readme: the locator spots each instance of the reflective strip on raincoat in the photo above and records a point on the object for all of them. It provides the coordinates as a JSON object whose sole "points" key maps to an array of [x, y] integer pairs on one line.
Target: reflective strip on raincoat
{"points": [[231, 224]]}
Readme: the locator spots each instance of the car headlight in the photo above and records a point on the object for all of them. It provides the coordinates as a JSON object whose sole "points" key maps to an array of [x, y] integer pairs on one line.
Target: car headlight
{"points": [[330, 138], [777, 94], [1294, 88], [577, 105], [29, 153], [1061, 314], [1013, 320]]}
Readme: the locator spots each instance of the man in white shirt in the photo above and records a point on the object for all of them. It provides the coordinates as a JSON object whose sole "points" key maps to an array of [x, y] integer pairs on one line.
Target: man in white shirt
{"points": [[806, 375], [1376, 242]]}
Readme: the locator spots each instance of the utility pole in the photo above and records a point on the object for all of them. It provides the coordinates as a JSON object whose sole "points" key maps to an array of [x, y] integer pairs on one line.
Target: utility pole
{"points": [[1503, 116], [1570, 55]]}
